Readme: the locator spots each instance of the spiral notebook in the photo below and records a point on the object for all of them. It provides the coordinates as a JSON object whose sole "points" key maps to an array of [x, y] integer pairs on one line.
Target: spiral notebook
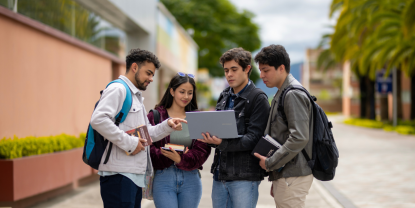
{"points": [[266, 146]]}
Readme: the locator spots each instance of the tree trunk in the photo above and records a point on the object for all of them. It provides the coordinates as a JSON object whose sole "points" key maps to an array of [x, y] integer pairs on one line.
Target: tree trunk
{"points": [[370, 99], [384, 107], [413, 96], [399, 93], [363, 93]]}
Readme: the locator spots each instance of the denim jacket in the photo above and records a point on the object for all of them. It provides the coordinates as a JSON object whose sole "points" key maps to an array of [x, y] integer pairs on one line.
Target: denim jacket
{"points": [[236, 161]]}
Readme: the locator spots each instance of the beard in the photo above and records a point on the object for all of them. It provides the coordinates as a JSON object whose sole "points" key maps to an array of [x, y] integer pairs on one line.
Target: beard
{"points": [[140, 85]]}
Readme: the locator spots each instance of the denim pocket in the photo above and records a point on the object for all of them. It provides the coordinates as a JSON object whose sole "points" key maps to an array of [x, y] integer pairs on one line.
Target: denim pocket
{"points": [[159, 172]]}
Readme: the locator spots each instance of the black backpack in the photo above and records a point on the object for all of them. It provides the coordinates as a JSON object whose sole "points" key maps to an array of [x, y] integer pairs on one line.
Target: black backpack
{"points": [[325, 155], [156, 115]]}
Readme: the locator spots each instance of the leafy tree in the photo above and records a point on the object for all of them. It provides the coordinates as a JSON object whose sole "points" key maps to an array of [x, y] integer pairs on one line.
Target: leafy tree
{"points": [[392, 44], [373, 34], [217, 26]]}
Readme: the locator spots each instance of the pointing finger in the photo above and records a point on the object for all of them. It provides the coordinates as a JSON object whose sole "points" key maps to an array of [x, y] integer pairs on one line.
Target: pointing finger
{"points": [[181, 120]]}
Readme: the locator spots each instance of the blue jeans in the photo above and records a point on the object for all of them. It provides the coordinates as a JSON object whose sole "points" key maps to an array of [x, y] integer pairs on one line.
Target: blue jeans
{"points": [[238, 194], [175, 188], [119, 191]]}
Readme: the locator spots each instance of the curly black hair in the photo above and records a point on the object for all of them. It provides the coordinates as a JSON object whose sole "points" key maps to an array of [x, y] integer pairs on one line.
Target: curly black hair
{"points": [[274, 55], [239, 55], [139, 57]]}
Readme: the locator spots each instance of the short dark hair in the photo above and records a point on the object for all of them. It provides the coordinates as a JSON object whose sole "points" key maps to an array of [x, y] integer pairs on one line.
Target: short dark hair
{"points": [[175, 82], [274, 55], [139, 57], [239, 55]]}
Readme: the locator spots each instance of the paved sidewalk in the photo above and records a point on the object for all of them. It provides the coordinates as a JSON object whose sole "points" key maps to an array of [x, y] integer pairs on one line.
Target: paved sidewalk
{"points": [[376, 168], [89, 196]]}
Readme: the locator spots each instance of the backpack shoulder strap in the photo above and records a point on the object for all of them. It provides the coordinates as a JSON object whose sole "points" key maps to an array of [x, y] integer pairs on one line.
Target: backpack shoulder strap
{"points": [[281, 99], [250, 100], [281, 111], [120, 117], [156, 116], [126, 106]]}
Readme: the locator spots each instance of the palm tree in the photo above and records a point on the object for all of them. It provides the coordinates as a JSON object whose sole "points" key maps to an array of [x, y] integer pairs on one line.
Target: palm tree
{"points": [[372, 34], [392, 44], [345, 45]]}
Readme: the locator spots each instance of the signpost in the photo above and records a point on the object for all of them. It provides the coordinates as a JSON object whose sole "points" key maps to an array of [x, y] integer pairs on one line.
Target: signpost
{"points": [[383, 84]]}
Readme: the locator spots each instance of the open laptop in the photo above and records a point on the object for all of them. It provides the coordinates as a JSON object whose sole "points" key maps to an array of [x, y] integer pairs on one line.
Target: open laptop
{"points": [[221, 124]]}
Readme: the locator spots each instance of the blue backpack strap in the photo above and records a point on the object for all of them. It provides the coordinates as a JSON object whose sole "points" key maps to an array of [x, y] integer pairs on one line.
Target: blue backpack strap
{"points": [[120, 117], [126, 106]]}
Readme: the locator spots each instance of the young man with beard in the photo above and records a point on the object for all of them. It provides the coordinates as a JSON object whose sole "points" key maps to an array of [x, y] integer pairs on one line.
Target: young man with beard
{"points": [[289, 172], [236, 172], [129, 161]]}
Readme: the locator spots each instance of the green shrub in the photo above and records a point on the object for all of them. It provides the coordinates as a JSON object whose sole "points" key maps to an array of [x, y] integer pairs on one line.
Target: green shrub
{"points": [[364, 123], [406, 123], [11, 148], [388, 128], [329, 113], [405, 130], [404, 127]]}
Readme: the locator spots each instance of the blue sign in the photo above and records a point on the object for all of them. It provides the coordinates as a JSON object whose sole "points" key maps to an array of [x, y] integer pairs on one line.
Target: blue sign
{"points": [[383, 84]]}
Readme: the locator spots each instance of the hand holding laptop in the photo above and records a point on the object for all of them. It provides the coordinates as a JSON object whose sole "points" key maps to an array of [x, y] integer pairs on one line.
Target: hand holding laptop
{"points": [[210, 139]]}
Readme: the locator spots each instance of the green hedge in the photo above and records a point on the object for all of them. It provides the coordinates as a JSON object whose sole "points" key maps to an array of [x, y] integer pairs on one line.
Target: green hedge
{"points": [[403, 127], [364, 123], [11, 148]]}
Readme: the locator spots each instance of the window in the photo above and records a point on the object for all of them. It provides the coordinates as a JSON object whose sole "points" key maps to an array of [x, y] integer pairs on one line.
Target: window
{"points": [[73, 19]]}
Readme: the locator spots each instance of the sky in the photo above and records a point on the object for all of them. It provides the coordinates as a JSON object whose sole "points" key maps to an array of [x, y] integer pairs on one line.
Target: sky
{"points": [[295, 24]]}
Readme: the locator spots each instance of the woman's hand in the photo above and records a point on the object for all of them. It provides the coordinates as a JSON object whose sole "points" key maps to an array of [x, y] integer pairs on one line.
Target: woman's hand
{"points": [[173, 155]]}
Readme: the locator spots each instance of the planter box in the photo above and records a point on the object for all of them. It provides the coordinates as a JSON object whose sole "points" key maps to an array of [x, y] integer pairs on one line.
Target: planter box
{"points": [[25, 177]]}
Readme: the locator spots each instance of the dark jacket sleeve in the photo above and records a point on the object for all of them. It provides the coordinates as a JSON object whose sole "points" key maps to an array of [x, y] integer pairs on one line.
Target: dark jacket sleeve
{"points": [[158, 160], [255, 129], [195, 157]]}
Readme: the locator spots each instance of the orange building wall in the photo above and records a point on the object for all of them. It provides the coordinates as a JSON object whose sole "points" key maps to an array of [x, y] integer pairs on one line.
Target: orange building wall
{"points": [[47, 86]]}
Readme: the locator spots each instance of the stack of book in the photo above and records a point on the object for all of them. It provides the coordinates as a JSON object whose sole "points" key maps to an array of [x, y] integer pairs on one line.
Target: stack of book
{"points": [[176, 147]]}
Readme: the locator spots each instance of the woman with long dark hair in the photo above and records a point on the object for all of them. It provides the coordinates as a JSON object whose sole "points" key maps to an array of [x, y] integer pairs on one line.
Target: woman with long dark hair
{"points": [[177, 180]]}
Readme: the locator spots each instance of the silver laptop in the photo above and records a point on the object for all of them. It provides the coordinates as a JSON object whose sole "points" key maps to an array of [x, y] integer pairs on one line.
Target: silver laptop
{"points": [[221, 124]]}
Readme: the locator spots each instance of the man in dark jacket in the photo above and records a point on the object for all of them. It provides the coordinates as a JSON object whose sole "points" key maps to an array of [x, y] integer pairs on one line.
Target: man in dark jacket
{"points": [[289, 172], [236, 172]]}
